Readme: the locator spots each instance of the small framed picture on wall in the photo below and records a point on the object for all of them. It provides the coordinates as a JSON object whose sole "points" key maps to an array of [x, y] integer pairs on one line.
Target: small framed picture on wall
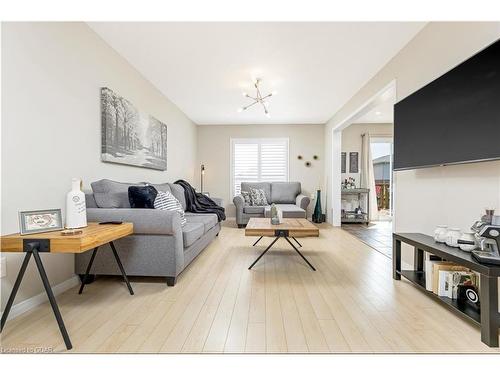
{"points": [[343, 162], [353, 162]]}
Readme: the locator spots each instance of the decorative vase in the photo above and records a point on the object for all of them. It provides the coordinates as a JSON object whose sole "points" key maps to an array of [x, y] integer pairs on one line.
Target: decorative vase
{"points": [[317, 214], [469, 237], [274, 215], [76, 210], [452, 237], [441, 233]]}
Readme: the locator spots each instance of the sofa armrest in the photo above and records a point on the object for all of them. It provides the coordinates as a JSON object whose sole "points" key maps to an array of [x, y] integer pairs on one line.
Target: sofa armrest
{"points": [[302, 201], [145, 220], [239, 201]]}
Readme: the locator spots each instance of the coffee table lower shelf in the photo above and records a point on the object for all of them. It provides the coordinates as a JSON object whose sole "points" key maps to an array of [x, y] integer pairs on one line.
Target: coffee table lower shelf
{"points": [[417, 278]]}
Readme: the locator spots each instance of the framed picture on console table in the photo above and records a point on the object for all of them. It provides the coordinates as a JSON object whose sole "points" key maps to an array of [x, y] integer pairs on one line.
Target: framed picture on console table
{"points": [[40, 221]]}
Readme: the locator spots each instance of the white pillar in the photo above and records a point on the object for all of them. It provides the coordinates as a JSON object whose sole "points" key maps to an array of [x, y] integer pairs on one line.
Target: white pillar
{"points": [[336, 177]]}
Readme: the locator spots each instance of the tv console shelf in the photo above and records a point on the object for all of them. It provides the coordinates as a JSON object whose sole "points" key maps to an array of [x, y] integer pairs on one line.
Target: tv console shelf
{"points": [[489, 317]]}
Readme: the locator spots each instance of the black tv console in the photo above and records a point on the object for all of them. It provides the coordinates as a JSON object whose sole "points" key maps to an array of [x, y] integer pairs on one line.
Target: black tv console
{"points": [[489, 317]]}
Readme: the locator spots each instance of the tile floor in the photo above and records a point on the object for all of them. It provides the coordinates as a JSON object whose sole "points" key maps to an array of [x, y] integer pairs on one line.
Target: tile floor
{"points": [[378, 235]]}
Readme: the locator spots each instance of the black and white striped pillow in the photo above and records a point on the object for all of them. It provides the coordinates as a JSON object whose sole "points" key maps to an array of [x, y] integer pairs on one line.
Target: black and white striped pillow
{"points": [[166, 201]]}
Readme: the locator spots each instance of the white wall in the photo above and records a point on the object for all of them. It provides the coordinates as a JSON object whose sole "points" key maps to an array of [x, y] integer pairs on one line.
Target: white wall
{"points": [[51, 127], [464, 190], [214, 151], [453, 195], [352, 142]]}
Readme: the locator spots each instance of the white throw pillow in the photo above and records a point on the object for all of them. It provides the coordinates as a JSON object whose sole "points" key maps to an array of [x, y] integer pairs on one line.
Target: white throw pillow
{"points": [[166, 201]]}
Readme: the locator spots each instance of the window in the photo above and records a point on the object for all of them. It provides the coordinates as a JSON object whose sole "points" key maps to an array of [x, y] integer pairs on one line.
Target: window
{"points": [[258, 159]]}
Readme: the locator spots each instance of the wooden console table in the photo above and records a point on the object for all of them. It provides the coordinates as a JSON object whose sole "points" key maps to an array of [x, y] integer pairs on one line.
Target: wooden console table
{"points": [[489, 317], [93, 236]]}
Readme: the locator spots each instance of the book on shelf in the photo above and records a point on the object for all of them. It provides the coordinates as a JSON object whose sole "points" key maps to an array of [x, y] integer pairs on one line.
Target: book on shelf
{"points": [[443, 266], [429, 263]]}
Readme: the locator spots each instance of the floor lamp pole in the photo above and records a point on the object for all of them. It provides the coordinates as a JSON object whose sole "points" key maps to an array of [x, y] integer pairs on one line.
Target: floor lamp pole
{"points": [[201, 176]]}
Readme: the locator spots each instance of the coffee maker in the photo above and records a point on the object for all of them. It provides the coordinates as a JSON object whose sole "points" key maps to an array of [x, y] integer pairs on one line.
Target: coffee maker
{"points": [[488, 236]]}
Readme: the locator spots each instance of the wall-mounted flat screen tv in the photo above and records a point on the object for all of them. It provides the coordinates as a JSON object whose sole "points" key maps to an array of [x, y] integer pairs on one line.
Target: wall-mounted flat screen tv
{"points": [[454, 119]]}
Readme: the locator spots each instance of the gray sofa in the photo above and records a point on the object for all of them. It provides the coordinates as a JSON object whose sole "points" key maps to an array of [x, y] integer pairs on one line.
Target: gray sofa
{"points": [[160, 246], [285, 195]]}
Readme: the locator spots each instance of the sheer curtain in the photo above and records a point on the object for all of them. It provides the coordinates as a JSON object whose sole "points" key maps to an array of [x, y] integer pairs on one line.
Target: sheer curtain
{"points": [[367, 174]]}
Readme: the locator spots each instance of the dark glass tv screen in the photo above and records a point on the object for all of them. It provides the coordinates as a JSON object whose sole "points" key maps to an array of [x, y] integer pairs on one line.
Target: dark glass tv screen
{"points": [[454, 119]]}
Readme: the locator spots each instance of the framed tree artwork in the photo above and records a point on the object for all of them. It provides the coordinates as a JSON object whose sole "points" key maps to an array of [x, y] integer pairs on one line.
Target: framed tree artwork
{"points": [[129, 136], [353, 162]]}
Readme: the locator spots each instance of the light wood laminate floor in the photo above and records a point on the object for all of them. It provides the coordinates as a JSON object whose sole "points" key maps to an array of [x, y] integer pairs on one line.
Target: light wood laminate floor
{"points": [[350, 304]]}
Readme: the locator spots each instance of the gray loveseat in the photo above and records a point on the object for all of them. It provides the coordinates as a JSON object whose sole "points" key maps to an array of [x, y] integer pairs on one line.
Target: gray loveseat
{"points": [[160, 246], [285, 195]]}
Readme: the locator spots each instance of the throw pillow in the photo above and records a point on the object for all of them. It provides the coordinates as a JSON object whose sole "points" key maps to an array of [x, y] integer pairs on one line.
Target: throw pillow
{"points": [[142, 196], [246, 198], [258, 197], [166, 201]]}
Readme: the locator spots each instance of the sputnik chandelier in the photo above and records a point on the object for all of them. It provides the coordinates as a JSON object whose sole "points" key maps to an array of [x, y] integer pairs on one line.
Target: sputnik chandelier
{"points": [[258, 99]]}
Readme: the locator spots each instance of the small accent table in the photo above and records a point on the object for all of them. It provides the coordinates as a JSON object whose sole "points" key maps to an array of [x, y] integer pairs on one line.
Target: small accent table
{"points": [[92, 237], [290, 228], [489, 317]]}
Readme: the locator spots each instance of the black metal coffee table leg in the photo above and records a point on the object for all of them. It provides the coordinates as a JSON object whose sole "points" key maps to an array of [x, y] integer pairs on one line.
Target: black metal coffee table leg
{"points": [[265, 251], [89, 267], [256, 242], [121, 267], [15, 289], [298, 252], [298, 243]]}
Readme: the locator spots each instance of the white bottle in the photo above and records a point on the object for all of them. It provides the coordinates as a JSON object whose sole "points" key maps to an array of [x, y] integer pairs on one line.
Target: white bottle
{"points": [[76, 210]]}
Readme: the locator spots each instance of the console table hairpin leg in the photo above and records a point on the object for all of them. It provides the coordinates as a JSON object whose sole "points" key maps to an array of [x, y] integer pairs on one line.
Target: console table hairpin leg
{"points": [[283, 234], [89, 267], [33, 247]]}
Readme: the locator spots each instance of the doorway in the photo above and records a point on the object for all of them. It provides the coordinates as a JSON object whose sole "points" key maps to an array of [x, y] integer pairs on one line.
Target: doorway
{"points": [[373, 122], [382, 156]]}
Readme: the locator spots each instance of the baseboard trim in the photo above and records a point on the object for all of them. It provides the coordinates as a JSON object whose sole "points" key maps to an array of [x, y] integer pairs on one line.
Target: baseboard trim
{"points": [[30, 303]]}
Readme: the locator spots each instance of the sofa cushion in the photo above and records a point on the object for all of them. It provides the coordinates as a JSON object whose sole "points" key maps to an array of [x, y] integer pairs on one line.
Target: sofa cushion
{"points": [[284, 192], [178, 192], [266, 186], [165, 200], [112, 194], [208, 220], [253, 209], [246, 198], [142, 196], [289, 211], [258, 197], [191, 232], [162, 187]]}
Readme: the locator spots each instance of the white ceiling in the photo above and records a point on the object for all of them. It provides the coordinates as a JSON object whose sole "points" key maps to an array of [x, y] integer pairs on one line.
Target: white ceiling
{"points": [[204, 67]]}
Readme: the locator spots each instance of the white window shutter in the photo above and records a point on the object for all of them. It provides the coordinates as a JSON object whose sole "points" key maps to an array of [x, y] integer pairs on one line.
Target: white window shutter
{"points": [[274, 161], [255, 160], [245, 164]]}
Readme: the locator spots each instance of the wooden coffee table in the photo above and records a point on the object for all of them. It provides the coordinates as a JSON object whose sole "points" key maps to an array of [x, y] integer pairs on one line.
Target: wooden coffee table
{"points": [[290, 228], [92, 236]]}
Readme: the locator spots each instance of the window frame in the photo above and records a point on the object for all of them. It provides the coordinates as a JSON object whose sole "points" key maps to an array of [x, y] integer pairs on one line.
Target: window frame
{"points": [[259, 141]]}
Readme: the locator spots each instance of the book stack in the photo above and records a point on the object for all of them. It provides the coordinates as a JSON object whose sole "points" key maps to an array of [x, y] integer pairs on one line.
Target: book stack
{"points": [[443, 278]]}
